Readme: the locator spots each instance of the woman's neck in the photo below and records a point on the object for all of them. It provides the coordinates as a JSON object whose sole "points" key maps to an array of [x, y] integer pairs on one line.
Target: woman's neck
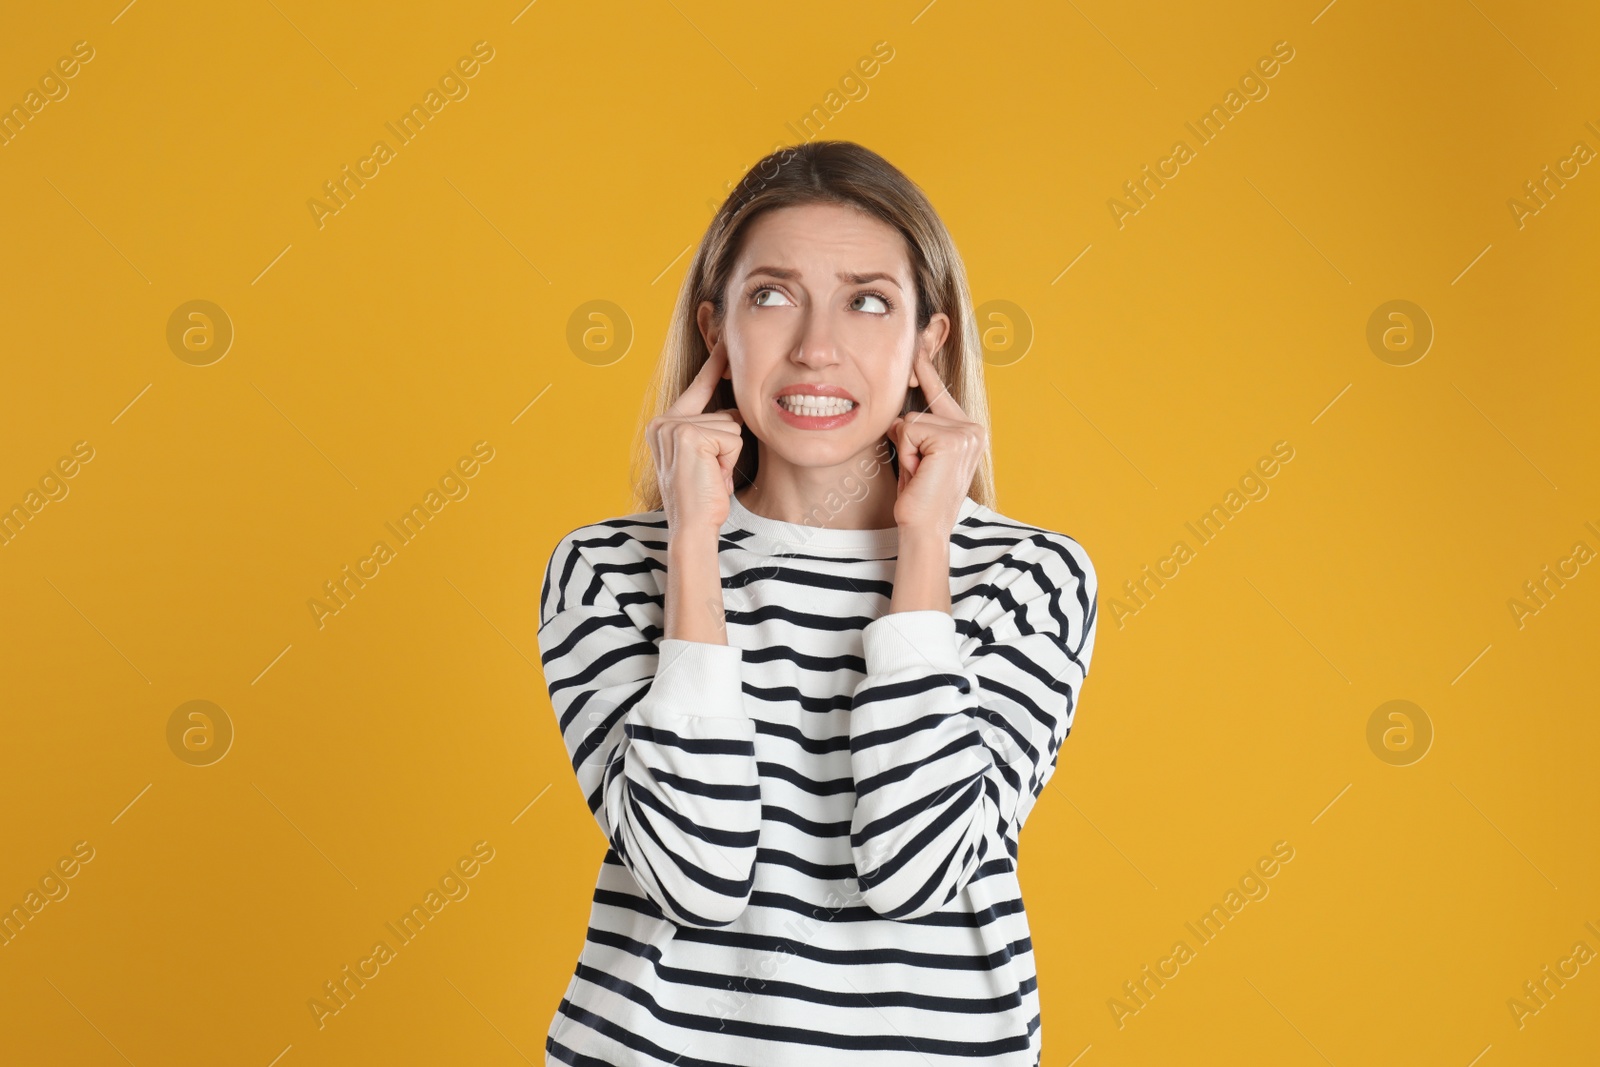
{"points": [[856, 495]]}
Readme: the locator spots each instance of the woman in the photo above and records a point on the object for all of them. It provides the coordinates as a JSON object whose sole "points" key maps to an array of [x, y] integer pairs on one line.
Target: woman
{"points": [[812, 689]]}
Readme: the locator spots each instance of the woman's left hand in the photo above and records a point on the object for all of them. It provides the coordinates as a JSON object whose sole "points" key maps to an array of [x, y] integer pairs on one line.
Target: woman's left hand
{"points": [[939, 452]]}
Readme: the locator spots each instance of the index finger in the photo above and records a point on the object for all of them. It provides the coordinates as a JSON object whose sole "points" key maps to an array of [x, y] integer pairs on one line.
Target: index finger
{"points": [[692, 401], [940, 402]]}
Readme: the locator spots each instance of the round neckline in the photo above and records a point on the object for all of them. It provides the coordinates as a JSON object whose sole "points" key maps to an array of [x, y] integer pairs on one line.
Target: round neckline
{"points": [[793, 535]]}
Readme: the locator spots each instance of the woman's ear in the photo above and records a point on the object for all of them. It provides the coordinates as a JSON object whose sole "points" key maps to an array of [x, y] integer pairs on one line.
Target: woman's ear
{"points": [[933, 336], [705, 319]]}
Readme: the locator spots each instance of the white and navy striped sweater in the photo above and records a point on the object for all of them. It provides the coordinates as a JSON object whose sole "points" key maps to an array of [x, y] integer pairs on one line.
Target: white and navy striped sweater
{"points": [[813, 828]]}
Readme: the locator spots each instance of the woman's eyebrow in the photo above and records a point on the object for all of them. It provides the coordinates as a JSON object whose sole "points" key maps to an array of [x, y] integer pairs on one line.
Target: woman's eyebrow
{"points": [[844, 276]]}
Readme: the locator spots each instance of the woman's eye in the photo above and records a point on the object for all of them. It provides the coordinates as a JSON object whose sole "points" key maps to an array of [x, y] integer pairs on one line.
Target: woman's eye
{"points": [[759, 293], [883, 305]]}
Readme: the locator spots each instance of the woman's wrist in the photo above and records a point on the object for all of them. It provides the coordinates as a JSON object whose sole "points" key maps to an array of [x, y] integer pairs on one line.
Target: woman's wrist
{"points": [[921, 572], [693, 609]]}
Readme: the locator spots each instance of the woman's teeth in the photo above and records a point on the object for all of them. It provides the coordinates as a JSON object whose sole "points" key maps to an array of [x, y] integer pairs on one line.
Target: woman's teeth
{"points": [[816, 405]]}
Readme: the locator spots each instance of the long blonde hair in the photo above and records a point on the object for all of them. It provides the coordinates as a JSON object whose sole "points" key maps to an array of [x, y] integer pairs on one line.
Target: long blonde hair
{"points": [[840, 172]]}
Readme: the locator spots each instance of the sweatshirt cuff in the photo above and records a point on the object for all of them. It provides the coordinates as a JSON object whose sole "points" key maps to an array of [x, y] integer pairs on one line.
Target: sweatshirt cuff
{"points": [[698, 678], [921, 642]]}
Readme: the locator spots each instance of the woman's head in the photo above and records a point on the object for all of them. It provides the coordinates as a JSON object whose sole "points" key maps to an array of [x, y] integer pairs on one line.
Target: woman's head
{"points": [[766, 285]]}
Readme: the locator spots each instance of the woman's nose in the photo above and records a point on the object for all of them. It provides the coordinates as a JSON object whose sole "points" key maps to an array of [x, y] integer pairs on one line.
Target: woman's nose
{"points": [[815, 346]]}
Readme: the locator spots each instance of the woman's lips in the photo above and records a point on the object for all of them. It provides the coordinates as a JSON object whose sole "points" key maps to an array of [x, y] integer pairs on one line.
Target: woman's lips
{"points": [[814, 422]]}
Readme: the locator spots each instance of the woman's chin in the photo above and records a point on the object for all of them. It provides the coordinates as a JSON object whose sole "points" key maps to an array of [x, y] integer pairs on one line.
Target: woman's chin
{"points": [[802, 449]]}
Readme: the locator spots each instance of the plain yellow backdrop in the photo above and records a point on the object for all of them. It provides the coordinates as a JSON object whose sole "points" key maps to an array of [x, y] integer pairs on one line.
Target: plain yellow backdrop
{"points": [[1143, 360]]}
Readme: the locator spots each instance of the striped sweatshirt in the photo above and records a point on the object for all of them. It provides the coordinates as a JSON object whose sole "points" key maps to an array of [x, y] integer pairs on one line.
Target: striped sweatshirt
{"points": [[813, 828]]}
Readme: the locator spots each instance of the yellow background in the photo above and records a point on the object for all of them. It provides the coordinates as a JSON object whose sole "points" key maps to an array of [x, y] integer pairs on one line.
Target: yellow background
{"points": [[371, 353]]}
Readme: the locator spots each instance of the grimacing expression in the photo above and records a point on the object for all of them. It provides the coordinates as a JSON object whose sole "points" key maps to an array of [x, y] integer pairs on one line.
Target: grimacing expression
{"points": [[820, 294]]}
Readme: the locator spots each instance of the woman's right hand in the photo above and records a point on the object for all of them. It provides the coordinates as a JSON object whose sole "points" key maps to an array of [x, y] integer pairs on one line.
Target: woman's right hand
{"points": [[695, 452]]}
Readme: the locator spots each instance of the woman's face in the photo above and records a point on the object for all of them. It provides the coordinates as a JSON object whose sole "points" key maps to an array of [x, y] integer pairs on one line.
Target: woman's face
{"points": [[821, 309]]}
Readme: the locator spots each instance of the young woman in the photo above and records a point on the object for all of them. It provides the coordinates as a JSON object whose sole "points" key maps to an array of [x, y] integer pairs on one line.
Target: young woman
{"points": [[813, 687]]}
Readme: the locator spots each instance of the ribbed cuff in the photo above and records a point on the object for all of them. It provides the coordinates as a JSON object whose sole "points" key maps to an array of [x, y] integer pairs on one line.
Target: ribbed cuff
{"points": [[698, 678], [923, 642]]}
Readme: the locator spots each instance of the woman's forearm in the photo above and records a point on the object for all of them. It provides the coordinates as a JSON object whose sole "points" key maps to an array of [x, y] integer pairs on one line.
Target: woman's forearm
{"points": [[657, 732], [694, 608]]}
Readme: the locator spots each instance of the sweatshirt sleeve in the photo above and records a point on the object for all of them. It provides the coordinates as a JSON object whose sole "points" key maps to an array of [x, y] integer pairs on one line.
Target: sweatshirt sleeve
{"points": [[954, 734], [659, 737]]}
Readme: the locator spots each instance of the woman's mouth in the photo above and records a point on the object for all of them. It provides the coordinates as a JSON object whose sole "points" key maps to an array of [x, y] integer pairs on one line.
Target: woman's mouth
{"points": [[807, 412]]}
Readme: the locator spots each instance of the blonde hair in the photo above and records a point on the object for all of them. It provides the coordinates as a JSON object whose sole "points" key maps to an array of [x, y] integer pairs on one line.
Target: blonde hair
{"points": [[840, 172]]}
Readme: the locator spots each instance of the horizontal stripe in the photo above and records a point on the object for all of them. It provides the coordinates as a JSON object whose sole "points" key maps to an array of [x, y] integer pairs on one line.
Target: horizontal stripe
{"points": [[797, 1033], [772, 987]]}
